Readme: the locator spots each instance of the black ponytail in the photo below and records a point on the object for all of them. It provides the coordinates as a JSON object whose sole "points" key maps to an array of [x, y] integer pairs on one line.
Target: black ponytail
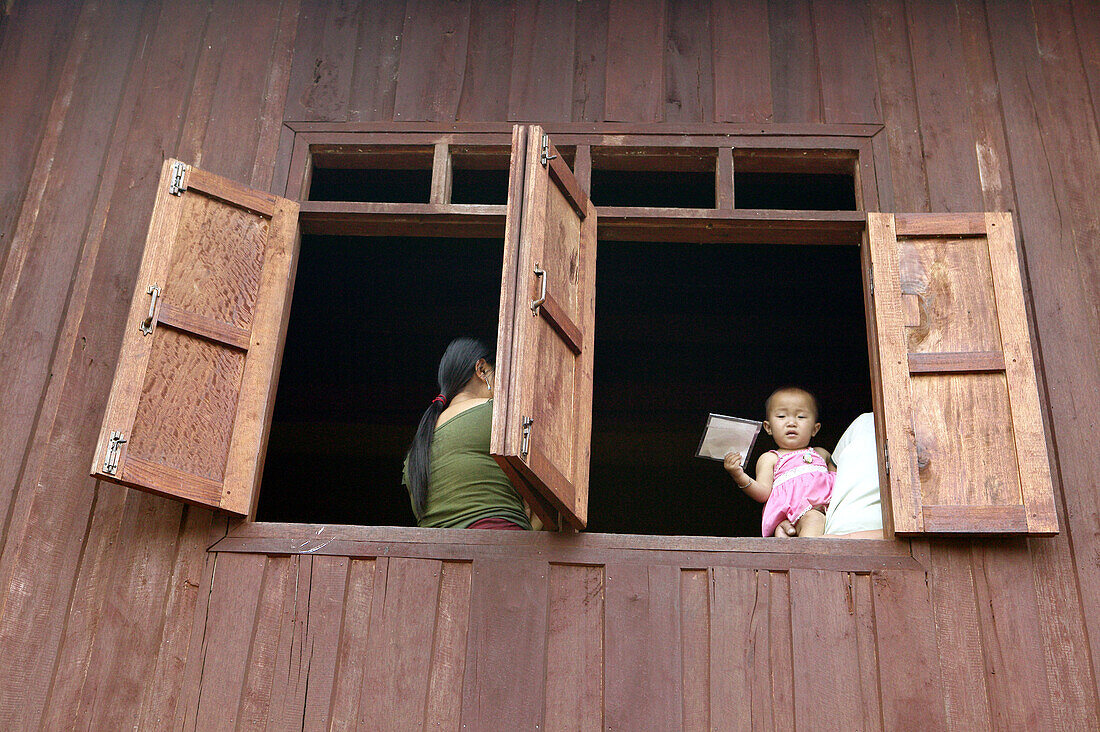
{"points": [[456, 368]]}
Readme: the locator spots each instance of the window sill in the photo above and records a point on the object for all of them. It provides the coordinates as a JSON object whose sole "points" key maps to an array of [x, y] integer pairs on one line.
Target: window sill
{"points": [[826, 553]]}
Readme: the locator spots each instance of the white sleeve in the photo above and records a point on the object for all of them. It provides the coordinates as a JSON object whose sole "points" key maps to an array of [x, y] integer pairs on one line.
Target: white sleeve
{"points": [[856, 504]]}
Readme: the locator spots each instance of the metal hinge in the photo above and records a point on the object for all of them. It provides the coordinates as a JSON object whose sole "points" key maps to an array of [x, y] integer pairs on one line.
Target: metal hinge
{"points": [[114, 449], [545, 156], [525, 442], [871, 278], [176, 186], [886, 455]]}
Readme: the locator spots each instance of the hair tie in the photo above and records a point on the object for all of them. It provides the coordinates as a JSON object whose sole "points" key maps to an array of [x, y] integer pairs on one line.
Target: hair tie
{"points": [[441, 399]]}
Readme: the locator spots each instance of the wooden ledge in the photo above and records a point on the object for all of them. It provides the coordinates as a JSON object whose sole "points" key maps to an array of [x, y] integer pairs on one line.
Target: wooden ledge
{"points": [[834, 554]]}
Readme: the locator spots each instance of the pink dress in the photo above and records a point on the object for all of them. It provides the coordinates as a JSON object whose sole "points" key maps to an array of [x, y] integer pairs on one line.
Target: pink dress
{"points": [[802, 481]]}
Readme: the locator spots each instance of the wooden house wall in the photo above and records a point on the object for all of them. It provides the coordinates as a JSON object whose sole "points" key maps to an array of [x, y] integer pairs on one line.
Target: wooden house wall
{"points": [[112, 612]]}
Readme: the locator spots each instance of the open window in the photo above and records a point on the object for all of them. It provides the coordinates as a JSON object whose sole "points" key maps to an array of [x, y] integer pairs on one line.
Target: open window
{"points": [[939, 297]]}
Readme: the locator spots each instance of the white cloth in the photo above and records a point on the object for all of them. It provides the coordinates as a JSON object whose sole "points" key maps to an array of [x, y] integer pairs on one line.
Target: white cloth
{"points": [[856, 504]]}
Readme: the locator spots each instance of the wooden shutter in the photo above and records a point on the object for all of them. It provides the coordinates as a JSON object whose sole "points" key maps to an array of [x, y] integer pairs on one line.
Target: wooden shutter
{"points": [[542, 410], [194, 385], [963, 428]]}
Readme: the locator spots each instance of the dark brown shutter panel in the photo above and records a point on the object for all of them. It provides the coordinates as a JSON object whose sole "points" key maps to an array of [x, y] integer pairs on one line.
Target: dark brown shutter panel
{"points": [[963, 425], [544, 351], [193, 389]]}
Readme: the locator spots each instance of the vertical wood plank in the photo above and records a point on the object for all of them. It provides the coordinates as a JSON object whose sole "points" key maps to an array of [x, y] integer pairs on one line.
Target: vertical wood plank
{"points": [[324, 51], [688, 63], [574, 648], [695, 645], [1012, 639], [866, 641], [635, 61], [230, 620], [849, 90], [777, 586], [542, 61], [33, 49], [488, 61], [272, 621], [906, 635], [795, 83], [352, 659], [590, 61], [378, 53], [899, 109], [946, 131], [642, 655], [822, 617], [403, 612], [966, 703], [433, 59], [742, 61], [506, 647], [326, 605], [740, 668], [452, 622]]}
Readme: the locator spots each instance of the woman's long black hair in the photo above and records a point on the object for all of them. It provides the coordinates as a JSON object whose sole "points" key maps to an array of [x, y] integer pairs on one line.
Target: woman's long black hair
{"points": [[456, 368]]}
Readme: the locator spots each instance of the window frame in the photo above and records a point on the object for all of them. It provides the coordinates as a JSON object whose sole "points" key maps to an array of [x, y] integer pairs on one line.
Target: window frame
{"points": [[798, 147]]}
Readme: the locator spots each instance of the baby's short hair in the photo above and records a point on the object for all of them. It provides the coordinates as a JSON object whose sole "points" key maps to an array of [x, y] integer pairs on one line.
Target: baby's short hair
{"points": [[792, 388]]}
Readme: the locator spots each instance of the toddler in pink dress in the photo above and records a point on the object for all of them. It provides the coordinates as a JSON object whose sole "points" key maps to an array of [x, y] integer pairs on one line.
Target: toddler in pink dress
{"points": [[794, 481]]}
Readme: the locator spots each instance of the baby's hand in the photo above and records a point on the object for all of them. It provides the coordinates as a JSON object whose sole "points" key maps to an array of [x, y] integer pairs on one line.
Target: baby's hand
{"points": [[732, 464]]}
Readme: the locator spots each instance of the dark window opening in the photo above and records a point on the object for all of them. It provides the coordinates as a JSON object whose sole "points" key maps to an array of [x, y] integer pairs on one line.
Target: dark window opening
{"points": [[654, 177], [688, 329], [794, 191], [369, 320], [378, 174]]}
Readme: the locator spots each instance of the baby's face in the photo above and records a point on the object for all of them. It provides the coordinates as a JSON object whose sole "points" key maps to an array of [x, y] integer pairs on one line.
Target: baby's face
{"points": [[791, 420]]}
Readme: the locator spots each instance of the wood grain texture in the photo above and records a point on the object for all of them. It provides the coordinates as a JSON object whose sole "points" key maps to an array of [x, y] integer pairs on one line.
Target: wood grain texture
{"points": [[432, 61], [488, 61], [842, 37], [695, 648], [823, 616], [635, 68], [642, 653], [795, 83], [378, 54], [688, 63], [574, 648], [542, 60], [324, 61], [740, 661], [506, 652], [452, 622], [742, 61], [590, 61], [351, 663]]}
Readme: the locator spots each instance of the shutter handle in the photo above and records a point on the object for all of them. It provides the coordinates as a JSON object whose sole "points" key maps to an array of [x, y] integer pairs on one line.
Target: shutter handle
{"points": [[541, 274], [147, 324]]}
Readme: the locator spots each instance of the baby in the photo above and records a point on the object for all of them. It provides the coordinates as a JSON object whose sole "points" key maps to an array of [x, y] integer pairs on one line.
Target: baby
{"points": [[795, 481]]}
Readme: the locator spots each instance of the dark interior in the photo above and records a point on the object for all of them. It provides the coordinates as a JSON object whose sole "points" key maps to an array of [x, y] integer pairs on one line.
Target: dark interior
{"points": [[653, 188], [378, 185], [682, 330], [485, 186], [794, 191]]}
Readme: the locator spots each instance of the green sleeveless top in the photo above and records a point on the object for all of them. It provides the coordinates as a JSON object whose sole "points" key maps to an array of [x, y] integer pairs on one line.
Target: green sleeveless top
{"points": [[466, 484]]}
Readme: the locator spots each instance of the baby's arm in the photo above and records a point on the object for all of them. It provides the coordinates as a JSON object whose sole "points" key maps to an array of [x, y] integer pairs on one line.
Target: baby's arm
{"points": [[760, 488], [828, 458]]}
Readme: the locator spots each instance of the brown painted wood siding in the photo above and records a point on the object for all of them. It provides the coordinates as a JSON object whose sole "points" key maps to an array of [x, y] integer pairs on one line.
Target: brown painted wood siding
{"points": [[111, 612]]}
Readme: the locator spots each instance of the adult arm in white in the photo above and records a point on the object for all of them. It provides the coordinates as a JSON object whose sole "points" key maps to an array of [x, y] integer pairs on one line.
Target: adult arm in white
{"points": [[855, 510]]}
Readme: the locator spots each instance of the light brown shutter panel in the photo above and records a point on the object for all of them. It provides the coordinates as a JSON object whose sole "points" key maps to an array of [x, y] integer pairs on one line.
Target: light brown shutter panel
{"points": [[192, 398], [544, 353], [964, 430]]}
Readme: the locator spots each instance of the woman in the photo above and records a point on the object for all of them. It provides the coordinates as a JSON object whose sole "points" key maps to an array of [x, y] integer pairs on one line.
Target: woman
{"points": [[453, 482]]}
